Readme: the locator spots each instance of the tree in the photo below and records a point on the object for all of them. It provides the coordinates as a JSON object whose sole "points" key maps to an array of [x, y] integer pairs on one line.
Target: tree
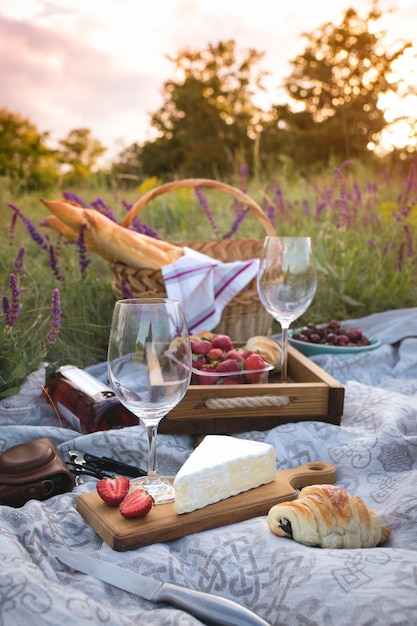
{"points": [[24, 156], [80, 153], [334, 91], [207, 122]]}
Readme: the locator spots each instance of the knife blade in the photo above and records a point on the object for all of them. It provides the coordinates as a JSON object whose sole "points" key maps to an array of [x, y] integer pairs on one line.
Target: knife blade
{"points": [[211, 609]]}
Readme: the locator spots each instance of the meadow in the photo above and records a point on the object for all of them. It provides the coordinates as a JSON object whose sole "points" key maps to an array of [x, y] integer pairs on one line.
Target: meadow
{"points": [[57, 308]]}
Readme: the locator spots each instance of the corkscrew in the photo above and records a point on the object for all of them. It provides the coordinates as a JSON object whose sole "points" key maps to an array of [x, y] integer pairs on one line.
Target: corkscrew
{"points": [[100, 467]]}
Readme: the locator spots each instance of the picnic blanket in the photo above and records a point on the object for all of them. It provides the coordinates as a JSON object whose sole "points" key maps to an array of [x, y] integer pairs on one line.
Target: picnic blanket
{"points": [[374, 450]]}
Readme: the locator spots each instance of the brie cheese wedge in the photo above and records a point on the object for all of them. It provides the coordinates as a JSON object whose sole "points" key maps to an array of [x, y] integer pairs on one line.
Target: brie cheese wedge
{"points": [[220, 467]]}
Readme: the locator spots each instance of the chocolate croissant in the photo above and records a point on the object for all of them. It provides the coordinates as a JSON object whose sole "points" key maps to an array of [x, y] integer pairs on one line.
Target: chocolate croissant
{"points": [[328, 517]]}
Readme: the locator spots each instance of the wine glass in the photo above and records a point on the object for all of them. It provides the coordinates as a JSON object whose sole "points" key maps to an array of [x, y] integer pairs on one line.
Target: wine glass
{"points": [[287, 282], [149, 368]]}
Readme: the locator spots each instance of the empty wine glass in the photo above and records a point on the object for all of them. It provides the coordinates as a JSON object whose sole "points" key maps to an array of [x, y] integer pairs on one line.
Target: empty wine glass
{"points": [[287, 282], [149, 368]]}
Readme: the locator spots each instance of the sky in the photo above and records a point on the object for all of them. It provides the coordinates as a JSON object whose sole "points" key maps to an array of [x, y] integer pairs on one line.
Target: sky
{"points": [[101, 64]]}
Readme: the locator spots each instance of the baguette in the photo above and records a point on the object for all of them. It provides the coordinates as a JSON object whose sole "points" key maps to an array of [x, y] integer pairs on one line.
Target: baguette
{"points": [[71, 235], [111, 240], [61, 228], [68, 212], [129, 247]]}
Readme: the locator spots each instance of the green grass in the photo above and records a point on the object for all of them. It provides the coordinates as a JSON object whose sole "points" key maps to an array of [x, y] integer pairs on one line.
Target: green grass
{"points": [[362, 222]]}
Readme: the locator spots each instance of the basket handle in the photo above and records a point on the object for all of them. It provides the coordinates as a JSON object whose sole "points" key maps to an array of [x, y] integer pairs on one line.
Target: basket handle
{"points": [[202, 182]]}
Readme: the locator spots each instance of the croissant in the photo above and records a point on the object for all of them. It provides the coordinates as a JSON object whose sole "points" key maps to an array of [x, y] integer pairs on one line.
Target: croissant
{"points": [[328, 517], [266, 347]]}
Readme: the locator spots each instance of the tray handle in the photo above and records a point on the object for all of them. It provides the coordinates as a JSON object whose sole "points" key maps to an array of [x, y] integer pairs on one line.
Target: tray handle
{"points": [[215, 404]]}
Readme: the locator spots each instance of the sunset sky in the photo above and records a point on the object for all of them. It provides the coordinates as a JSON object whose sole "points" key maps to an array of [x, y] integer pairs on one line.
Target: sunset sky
{"points": [[100, 64]]}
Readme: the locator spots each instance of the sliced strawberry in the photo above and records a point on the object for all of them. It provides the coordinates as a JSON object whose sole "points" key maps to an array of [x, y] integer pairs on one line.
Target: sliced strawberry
{"points": [[137, 504], [113, 490]]}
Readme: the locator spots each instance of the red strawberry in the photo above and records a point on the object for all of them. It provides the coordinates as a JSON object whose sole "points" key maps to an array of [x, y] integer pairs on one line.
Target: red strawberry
{"points": [[137, 504], [234, 355], [222, 341], [228, 365], [215, 354], [113, 490], [254, 362], [201, 347], [201, 379]]}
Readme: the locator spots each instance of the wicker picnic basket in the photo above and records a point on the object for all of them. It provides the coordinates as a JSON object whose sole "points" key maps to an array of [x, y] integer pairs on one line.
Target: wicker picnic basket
{"points": [[244, 316]]}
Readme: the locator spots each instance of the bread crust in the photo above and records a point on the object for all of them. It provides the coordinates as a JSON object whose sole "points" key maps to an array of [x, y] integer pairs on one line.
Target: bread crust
{"points": [[111, 240]]}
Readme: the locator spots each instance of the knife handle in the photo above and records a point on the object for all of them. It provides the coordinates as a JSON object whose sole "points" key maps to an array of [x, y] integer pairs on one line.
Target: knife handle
{"points": [[212, 609]]}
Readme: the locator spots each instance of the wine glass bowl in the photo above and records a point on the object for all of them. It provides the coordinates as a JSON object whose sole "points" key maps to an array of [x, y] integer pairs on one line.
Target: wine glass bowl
{"points": [[287, 282], [145, 377]]}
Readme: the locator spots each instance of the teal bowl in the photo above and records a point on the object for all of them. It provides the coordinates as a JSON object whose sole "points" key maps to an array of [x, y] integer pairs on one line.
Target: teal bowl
{"points": [[312, 349]]}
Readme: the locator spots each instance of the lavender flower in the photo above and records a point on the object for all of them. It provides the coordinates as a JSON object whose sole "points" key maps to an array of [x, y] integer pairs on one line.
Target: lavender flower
{"points": [[31, 228], [18, 264], [409, 239], [12, 308], [127, 292], [82, 251], [141, 227], [53, 263], [244, 178], [5, 307], [12, 226], [204, 205], [53, 333], [72, 197], [103, 208], [236, 223]]}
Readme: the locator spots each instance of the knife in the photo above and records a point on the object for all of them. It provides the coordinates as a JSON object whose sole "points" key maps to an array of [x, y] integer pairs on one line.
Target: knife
{"points": [[212, 609]]}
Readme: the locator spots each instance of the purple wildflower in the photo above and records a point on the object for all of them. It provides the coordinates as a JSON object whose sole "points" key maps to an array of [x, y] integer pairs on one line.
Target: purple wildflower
{"points": [[82, 251], [5, 306], [240, 216], [53, 263], [103, 208], [56, 320], [18, 264], [409, 239], [12, 226], [204, 205], [244, 178], [72, 197], [127, 292], [140, 227], [31, 228], [12, 308], [373, 244]]}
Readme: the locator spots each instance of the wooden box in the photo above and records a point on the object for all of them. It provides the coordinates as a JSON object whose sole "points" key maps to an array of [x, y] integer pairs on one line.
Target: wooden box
{"points": [[309, 394]]}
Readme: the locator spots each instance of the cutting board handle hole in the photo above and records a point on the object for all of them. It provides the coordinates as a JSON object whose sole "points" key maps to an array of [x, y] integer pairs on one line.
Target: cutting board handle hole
{"points": [[316, 468]]}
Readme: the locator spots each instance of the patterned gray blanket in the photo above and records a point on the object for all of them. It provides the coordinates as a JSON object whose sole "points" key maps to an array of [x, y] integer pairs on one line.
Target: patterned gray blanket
{"points": [[374, 450]]}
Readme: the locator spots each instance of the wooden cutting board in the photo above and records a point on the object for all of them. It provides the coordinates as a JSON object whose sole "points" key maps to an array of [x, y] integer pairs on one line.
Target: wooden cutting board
{"points": [[163, 524]]}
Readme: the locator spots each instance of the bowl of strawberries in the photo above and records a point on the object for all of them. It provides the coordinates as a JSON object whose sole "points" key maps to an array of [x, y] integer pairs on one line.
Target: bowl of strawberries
{"points": [[217, 361]]}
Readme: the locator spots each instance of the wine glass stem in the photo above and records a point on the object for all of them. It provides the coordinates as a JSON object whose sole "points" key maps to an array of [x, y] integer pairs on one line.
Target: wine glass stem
{"points": [[284, 353], [151, 430]]}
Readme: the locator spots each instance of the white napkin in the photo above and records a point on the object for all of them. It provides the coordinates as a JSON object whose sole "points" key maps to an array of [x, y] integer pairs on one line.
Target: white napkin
{"points": [[206, 286]]}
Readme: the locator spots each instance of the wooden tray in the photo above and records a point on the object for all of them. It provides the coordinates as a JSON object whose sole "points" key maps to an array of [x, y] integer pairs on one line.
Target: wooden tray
{"points": [[310, 394], [163, 524]]}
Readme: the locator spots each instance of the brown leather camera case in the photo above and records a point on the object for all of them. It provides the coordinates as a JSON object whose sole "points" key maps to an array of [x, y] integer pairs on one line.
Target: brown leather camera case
{"points": [[33, 470]]}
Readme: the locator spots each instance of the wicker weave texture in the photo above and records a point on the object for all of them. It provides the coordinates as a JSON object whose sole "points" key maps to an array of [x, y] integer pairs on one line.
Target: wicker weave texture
{"points": [[244, 316]]}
